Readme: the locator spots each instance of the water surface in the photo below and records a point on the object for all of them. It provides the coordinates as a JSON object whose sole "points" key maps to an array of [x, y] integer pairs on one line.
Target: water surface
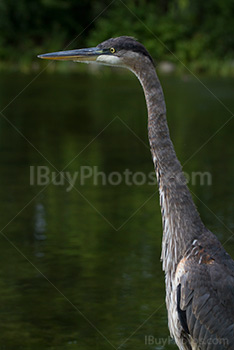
{"points": [[80, 268]]}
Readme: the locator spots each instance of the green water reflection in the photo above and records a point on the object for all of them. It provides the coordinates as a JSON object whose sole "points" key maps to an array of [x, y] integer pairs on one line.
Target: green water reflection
{"points": [[81, 268]]}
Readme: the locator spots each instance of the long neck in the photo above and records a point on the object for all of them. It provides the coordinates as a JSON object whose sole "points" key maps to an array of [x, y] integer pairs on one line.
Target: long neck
{"points": [[181, 221]]}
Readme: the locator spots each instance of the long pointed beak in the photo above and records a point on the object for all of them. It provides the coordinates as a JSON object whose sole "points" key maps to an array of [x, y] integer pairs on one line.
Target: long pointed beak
{"points": [[89, 54]]}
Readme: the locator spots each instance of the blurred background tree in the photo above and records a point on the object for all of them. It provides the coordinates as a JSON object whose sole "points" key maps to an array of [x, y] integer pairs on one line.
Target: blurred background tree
{"points": [[199, 33]]}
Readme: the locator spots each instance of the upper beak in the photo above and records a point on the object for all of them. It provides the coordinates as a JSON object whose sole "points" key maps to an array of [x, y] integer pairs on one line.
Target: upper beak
{"points": [[89, 54]]}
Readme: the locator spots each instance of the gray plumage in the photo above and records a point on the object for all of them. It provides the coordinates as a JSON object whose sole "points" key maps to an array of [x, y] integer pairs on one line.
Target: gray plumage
{"points": [[199, 274]]}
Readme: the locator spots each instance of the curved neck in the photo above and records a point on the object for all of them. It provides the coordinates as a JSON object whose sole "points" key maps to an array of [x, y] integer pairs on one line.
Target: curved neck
{"points": [[181, 221]]}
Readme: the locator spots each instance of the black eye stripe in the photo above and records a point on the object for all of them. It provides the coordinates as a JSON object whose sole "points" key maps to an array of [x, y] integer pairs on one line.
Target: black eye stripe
{"points": [[125, 43]]}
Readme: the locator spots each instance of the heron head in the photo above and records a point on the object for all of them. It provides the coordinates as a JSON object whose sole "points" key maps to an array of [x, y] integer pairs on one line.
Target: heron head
{"points": [[123, 51]]}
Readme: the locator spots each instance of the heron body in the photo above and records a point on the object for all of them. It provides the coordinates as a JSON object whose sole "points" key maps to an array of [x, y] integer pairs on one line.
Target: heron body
{"points": [[199, 274]]}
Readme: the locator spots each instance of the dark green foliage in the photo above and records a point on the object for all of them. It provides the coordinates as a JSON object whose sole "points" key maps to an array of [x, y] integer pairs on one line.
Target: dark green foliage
{"points": [[198, 33], [31, 26]]}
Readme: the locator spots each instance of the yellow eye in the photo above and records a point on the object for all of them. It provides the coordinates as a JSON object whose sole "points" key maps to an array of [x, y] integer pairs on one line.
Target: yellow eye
{"points": [[112, 50]]}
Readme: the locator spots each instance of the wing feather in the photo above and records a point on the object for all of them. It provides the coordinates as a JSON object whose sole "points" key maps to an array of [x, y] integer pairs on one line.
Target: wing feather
{"points": [[207, 297]]}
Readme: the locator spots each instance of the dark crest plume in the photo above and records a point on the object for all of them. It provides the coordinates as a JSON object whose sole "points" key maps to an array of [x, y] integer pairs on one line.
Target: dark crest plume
{"points": [[127, 43]]}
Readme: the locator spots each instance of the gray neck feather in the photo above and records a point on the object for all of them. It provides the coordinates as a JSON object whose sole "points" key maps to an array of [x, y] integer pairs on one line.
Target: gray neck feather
{"points": [[181, 221]]}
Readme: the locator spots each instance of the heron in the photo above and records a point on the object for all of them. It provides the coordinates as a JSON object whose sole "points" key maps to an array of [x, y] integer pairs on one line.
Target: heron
{"points": [[199, 273]]}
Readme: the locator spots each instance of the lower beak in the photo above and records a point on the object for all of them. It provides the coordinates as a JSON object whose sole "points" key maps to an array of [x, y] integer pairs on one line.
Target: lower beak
{"points": [[89, 54]]}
